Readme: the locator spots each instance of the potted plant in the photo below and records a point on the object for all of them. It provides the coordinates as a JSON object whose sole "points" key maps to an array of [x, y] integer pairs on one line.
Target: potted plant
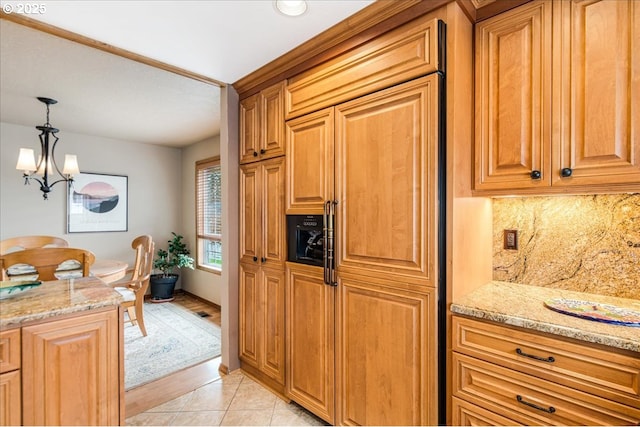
{"points": [[176, 256]]}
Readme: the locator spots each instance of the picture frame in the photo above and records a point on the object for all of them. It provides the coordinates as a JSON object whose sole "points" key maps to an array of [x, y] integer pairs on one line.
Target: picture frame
{"points": [[97, 202]]}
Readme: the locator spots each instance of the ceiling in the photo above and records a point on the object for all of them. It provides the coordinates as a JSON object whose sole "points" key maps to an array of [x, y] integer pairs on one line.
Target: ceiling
{"points": [[105, 95]]}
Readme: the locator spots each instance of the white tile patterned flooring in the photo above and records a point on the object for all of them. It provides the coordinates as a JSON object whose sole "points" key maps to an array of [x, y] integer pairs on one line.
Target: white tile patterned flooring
{"points": [[232, 400]]}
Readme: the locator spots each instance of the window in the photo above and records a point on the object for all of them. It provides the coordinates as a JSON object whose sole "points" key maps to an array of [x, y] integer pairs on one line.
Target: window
{"points": [[209, 214]]}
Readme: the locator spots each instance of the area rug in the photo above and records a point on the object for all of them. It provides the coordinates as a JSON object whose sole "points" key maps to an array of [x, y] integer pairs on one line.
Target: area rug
{"points": [[176, 339]]}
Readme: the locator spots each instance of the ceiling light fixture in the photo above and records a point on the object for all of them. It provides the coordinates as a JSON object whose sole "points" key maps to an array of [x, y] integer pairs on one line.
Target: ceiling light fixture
{"points": [[291, 7], [46, 161]]}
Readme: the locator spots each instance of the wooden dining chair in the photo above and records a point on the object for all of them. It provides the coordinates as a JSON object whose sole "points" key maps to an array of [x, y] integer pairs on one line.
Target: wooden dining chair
{"points": [[134, 286], [46, 260], [31, 242]]}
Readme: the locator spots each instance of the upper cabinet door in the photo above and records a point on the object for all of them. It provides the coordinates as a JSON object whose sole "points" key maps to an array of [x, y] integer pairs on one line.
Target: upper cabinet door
{"points": [[310, 162], [262, 125], [249, 129], [597, 103], [558, 98], [262, 219], [386, 181], [272, 121], [513, 99]]}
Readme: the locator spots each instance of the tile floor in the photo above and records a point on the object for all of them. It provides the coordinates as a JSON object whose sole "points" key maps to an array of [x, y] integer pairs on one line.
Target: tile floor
{"points": [[232, 400]]}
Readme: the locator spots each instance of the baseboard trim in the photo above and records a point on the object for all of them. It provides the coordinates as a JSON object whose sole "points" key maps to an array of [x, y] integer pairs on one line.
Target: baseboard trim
{"points": [[223, 369], [205, 301]]}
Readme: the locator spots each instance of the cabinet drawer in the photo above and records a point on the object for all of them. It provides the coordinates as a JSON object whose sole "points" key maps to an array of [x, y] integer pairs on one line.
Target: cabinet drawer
{"points": [[608, 373], [9, 350], [398, 56], [467, 414], [531, 400]]}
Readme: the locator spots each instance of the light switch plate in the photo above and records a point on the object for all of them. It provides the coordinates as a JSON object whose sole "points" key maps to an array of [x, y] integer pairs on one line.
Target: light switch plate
{"points": [[511, 239]]}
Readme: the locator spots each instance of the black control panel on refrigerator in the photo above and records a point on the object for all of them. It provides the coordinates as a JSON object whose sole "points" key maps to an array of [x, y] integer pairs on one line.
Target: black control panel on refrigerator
{"points": [[305, 239]]}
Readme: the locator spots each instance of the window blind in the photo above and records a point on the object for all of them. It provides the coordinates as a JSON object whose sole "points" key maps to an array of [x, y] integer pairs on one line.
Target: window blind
{"points": [[209, 213]]}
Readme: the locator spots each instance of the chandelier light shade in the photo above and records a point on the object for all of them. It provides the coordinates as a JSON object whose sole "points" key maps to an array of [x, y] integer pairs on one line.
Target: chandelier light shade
{"points": [[43, 170]]}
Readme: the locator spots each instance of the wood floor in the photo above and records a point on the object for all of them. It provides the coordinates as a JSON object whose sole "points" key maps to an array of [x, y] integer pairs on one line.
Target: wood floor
{"points": [[198, 305], [142, 398]]}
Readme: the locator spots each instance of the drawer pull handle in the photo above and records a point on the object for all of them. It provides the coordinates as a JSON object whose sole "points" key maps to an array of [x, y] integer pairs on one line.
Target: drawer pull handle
{"points": [[549, 359], [549, 410]]}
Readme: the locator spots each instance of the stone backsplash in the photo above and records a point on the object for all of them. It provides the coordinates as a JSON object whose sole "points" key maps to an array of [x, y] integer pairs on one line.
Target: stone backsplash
{"points": [[582, 243]]}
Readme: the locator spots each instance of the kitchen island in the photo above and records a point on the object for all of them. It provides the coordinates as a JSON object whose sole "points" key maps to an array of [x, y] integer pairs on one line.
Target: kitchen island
{"points": [[516, 361], [61, 355]]}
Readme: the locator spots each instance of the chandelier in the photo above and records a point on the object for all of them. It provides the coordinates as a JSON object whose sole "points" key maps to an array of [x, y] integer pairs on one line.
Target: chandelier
{"points": [[44, 169]]}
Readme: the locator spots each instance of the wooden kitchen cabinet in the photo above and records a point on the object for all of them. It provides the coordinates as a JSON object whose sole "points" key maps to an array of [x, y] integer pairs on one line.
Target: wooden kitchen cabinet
{"points": [[311, 340], [262, 125], [384, 349], [71, 370], [262, 257], [467, 414], [513, 98], [386, 167], [310, 161], [262, 218], [364, 132], [10, 381], [386, 353], [557, 89], [405, 53], [262, 314], [384, 180], [534, 378], [9, 350], [596, 93]]}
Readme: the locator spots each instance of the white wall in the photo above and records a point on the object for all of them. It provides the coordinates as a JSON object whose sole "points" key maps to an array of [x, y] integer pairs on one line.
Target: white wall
{"points": [[154, 180], [202, 283]]}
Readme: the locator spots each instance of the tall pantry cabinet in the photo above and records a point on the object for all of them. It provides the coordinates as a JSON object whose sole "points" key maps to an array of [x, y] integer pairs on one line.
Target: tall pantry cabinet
{"points": [[365, 350], [262, 241]]}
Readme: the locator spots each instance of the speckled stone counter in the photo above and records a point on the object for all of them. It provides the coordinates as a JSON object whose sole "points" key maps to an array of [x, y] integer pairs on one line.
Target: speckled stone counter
{"points": [[56, 298], [523, 306]]}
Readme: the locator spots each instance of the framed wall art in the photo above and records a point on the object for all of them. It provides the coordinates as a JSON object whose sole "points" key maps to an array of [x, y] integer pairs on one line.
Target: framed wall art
{"points": [[97, 202]]}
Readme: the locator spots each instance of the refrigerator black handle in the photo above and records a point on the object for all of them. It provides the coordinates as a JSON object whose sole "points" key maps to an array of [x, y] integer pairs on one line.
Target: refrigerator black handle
{"points": [[330, 243], [328, 230], [325, 244]]}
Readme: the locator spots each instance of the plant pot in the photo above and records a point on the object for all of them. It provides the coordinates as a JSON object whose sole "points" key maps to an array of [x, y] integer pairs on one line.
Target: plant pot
{"points": [[162, 287]]}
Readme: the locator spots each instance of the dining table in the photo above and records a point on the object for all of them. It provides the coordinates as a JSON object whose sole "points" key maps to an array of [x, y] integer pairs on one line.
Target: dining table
{"points": [[109, 270]]}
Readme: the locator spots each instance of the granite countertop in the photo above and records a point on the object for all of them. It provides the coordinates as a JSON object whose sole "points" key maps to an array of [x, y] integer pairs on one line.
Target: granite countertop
{"points": [[523, 306], [56, 298]]}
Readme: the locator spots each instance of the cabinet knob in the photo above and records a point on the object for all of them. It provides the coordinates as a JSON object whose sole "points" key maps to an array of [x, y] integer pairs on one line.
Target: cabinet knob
{"points": [[255, 259], [255, 154], [535, 175], [262, 151], [566, 172], [263, 259]]}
